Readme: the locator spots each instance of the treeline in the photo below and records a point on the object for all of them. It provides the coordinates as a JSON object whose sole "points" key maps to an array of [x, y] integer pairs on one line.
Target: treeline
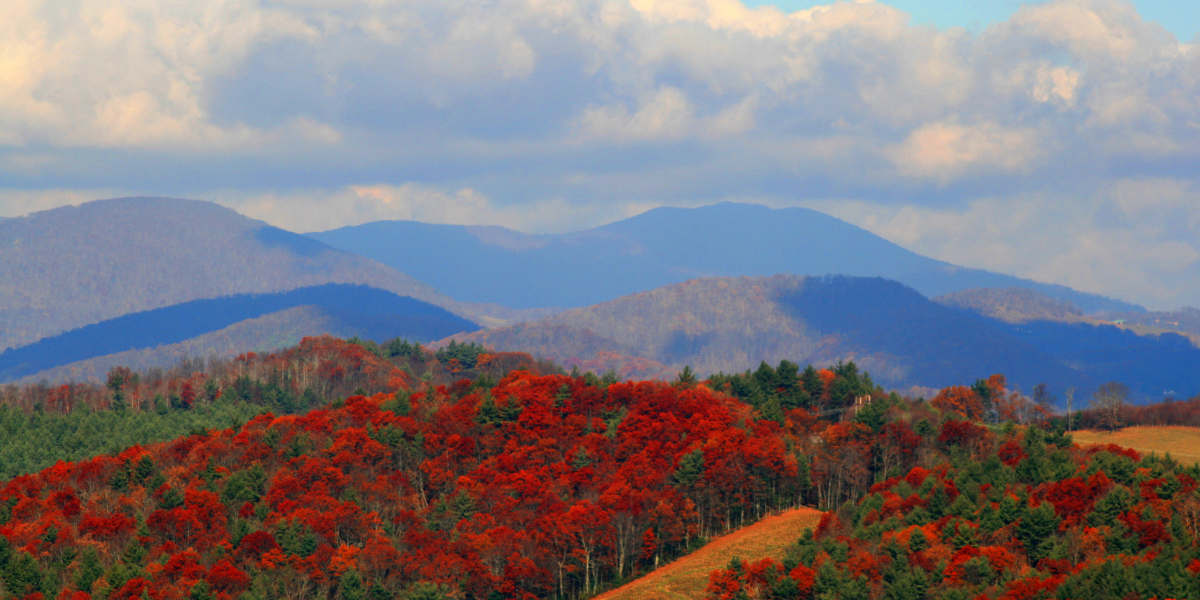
{"points": [[1168, 412]]}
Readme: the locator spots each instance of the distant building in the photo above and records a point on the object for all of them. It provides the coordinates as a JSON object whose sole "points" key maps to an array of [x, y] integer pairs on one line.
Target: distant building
{"points": [[1119, 322]]}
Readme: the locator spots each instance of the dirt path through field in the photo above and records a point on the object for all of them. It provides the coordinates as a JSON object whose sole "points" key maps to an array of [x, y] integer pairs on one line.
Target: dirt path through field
{"points": [[686, 578]]}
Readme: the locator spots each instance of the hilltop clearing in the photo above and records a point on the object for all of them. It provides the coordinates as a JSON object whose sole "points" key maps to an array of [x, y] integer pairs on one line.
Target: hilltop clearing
{"points": [[1182, 443]]}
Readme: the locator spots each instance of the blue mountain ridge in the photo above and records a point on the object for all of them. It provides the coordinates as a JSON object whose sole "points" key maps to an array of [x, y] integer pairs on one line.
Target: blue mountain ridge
{"points": [[657, 248], [377, 310]]}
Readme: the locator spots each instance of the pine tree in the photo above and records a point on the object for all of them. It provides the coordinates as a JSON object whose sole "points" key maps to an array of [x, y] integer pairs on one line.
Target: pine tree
{"points": [[1036, 531], [691, 469]]}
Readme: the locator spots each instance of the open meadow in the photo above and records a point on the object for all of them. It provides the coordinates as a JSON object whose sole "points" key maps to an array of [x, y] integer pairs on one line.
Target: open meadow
{"points": [[687, 577], [1182, 442]]}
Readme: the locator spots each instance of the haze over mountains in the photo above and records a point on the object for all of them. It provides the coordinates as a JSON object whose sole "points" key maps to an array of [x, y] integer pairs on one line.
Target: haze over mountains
{"points": [[343, 309], [901, 337], [77, 265], [661, 247], [144, 282]]}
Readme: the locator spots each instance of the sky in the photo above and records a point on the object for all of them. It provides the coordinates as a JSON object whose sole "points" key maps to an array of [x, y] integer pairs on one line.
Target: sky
{"points": [[1058, 141], [1180, 17]]}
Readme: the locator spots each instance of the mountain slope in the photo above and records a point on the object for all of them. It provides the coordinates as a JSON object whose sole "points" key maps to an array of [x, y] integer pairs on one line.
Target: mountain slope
{"points": [[340, 309], [1013, 305], [899, 336], [72, 266], [659, 247]]}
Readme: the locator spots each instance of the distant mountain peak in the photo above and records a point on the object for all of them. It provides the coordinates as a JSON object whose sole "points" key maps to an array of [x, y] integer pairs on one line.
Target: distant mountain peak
{"points": [[72, 266], [659, 247]]}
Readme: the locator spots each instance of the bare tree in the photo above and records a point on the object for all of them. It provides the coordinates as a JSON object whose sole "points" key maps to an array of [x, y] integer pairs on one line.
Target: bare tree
{"points": [[1070, 405], [1107, 401]]}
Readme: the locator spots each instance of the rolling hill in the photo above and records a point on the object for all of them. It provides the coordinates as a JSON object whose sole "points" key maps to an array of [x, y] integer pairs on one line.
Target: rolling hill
{"points": [[899, 336], [660, 247], [65, 268], [203, 327]]}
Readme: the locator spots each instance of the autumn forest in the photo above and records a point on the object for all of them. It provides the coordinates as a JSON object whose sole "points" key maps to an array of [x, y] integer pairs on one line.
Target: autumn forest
{"points": [[349, 469]]}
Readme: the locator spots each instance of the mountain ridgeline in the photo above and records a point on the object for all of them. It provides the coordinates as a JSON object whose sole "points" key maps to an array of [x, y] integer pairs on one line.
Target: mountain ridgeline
{"points": [[660, 247], [901, 337], [377, 313], [65, 268]]}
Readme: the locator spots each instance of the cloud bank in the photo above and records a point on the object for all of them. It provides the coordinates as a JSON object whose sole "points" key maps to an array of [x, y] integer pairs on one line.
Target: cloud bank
{"points": [[1061, 144]]}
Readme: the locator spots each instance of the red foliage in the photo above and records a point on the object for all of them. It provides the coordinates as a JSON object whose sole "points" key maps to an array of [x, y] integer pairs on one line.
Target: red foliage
{"points": [[1010, 453], [960, 400], [224, 577]]}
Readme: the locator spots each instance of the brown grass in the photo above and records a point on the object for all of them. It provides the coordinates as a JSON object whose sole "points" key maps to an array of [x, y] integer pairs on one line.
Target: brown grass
{"points": [[1182, 442], [687, 577]]}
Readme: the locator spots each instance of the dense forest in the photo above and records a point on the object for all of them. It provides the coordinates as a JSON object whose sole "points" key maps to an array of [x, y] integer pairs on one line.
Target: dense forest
{"points": [[350, 469], [1010, 514], [41, 424], [534, 484]]}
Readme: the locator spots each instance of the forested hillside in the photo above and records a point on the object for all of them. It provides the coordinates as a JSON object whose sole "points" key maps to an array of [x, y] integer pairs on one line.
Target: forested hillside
{"points": [[344, 310], [1013, 305], [973, 513], [530, 486], [660, 247], [392, 471], [40, 424], [733, 324], [72, 266]]}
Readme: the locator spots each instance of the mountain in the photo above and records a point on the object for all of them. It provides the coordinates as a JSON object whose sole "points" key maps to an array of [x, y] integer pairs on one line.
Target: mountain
{"points": [[72, 266], [1186, 320], [337, 309], [902, 338], [660, 247]]}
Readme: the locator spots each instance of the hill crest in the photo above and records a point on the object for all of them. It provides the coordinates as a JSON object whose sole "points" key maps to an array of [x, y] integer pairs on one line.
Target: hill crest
{"points": [[76, 265]]}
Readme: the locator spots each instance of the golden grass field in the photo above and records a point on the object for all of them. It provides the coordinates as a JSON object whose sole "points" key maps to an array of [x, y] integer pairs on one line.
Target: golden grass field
{"points": [[1182, 442], [687, 577]]}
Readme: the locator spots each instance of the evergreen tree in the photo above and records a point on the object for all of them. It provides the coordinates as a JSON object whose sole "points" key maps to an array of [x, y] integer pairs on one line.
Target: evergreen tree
{"points": [[691, 469], [1036, 531]]}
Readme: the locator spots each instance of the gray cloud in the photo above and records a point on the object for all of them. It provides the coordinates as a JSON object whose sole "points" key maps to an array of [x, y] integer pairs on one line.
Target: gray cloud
{"points": [[1061, 144]]}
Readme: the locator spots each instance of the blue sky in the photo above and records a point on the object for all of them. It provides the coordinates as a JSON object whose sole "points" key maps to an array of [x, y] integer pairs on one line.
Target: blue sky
{"points": [[1062, 145], [1180, 17]]}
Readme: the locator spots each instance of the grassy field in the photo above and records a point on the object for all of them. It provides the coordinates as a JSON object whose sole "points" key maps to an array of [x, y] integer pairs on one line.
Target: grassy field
{"points": [[1182, 442], [687, 577]]}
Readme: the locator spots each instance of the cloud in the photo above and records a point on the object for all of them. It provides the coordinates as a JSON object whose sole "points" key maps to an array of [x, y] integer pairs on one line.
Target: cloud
{"points": [[321, 210], [559, 114], [942, 151], [1128, 239]]}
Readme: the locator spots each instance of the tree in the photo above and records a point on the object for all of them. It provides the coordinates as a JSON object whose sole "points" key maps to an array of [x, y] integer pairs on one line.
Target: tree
{"points": [[1070, 407], [687, 377], [1042, 397], [961, 400], [1107, 401]]}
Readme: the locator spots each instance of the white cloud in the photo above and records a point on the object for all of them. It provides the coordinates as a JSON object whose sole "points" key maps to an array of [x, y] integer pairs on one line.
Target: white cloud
{"points": [[666, 115], [321, 210], [1111, 240], [942, 151], [572, 112]]}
